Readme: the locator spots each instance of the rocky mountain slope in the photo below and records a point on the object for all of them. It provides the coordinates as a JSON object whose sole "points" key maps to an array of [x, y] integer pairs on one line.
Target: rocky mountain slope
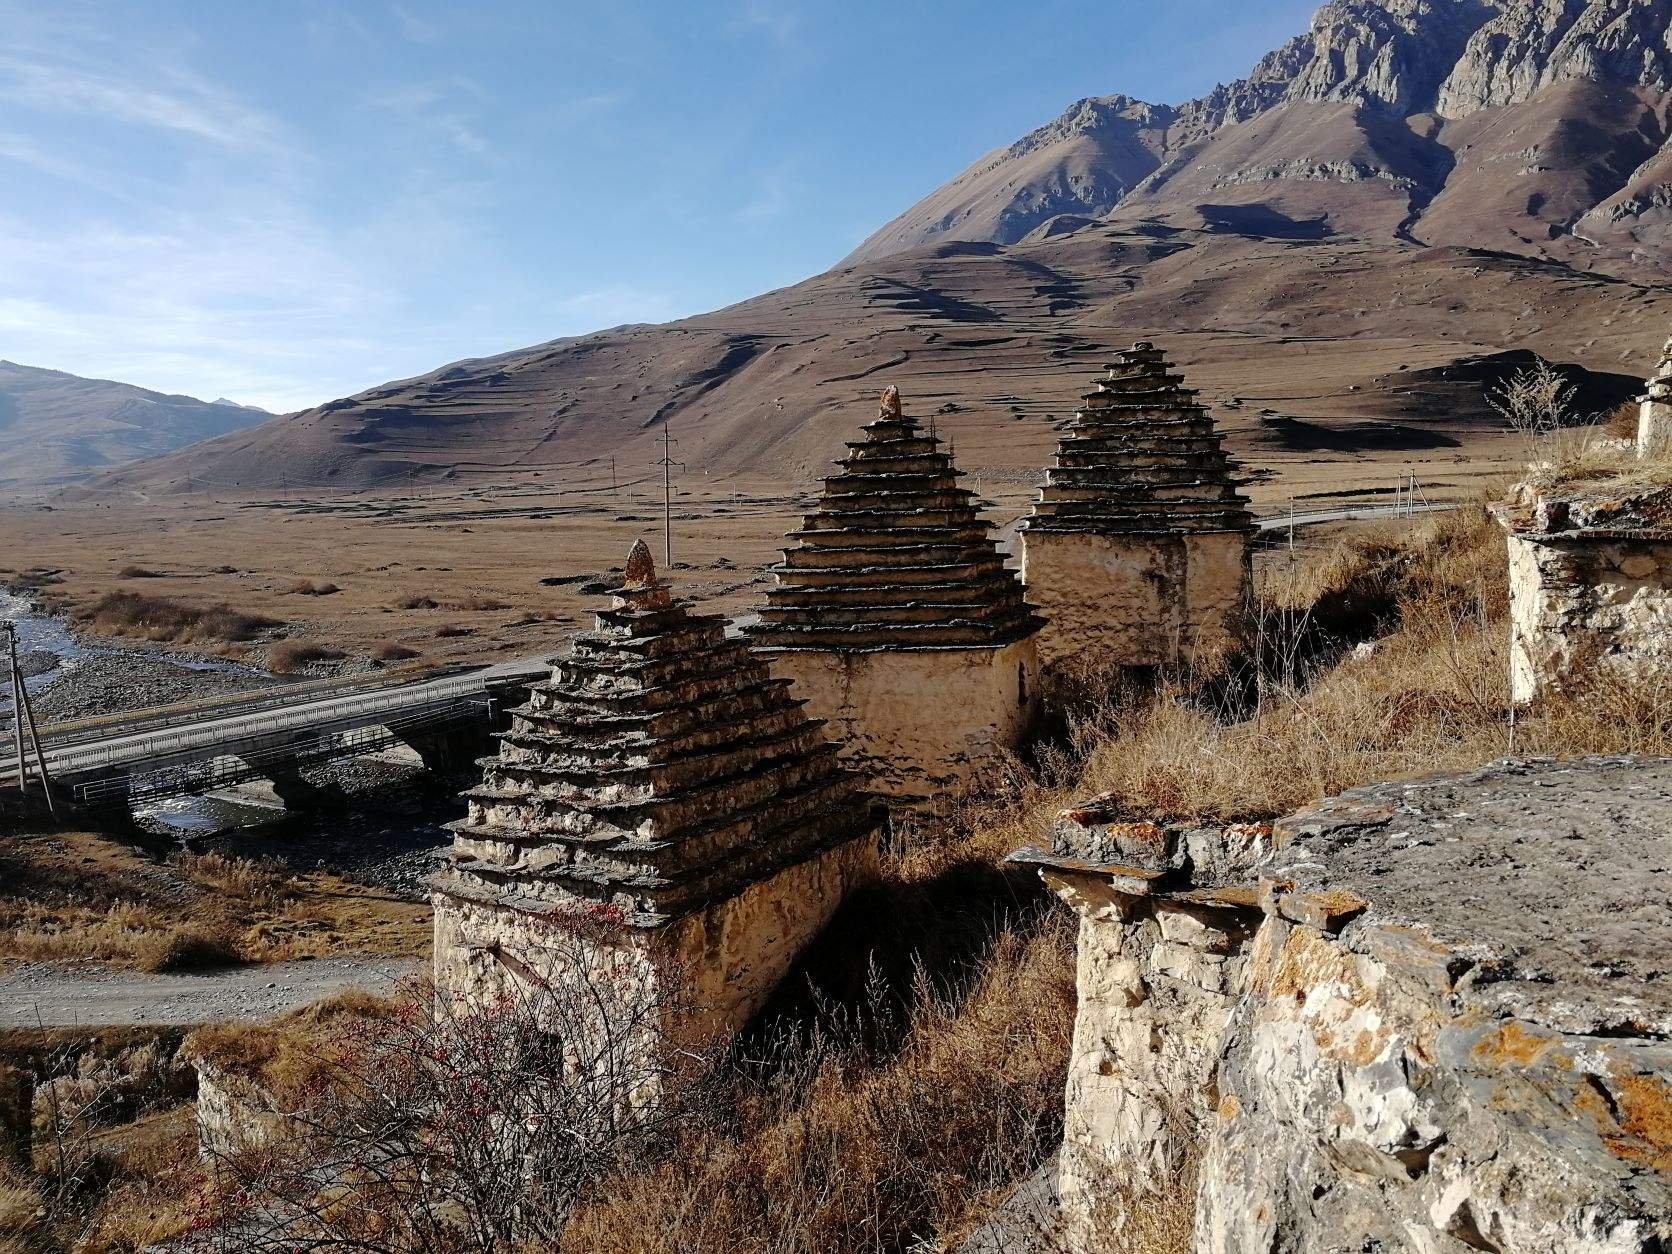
{"points": [[1331, 247], [1535, 125], [58, 428]]}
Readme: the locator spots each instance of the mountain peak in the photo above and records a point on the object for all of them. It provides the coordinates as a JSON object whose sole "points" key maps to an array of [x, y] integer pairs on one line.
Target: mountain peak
{"points": [[1402, 59]]}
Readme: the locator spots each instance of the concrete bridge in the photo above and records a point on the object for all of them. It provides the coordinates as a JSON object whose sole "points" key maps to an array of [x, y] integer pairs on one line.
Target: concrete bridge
{"points": [[445, 720]]}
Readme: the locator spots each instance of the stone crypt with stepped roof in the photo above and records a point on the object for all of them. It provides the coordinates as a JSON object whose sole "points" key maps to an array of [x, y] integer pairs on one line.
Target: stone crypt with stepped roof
{"points": [[1137, 548], [898, 621], [665, 790]]}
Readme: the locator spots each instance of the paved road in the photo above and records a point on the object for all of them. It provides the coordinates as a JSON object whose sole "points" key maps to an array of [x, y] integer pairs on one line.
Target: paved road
{"points": [[1006, 535], [1349, 513], [56, 995]]}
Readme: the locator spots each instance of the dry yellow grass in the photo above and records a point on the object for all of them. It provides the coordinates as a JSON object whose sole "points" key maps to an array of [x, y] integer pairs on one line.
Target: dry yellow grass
{"points": [[840, 1146], [80, 895]]}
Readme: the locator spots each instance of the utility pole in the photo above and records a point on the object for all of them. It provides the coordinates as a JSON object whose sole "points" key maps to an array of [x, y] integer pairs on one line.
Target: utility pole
{"points": [[1291, 528], [615, 488], [23, 711], [17, 711], [667, 463]]}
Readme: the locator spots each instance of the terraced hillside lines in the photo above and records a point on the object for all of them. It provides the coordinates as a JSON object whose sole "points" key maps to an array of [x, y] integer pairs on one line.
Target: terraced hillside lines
{"points": [[1249, 317]]}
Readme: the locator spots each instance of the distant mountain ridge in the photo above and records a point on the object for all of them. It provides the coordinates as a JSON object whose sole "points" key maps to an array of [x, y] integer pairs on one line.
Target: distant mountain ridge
{"points": [[1426, 68], [58, 428]]}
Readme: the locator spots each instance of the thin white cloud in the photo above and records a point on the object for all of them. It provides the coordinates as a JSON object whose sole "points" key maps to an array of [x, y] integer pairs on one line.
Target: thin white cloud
{"points": [[181, 103], [411, 25], [776, 19], [771, 200]]}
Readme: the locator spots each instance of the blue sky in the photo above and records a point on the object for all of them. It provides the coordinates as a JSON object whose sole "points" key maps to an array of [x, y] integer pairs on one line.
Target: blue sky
{"points": [[284, 201]]}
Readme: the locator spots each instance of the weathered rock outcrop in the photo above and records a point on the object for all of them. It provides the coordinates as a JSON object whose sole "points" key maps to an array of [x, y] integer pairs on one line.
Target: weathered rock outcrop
{"points": [[1590, 573], [1137, 549], [1654, 419], [1425, 1016]]}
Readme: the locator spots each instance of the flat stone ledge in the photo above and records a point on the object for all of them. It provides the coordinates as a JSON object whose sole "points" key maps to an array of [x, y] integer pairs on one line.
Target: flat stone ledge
{"points": [[1545, 887]]}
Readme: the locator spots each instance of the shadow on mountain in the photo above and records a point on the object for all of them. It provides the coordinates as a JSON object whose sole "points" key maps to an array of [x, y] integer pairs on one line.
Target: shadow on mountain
{"points": [[1262, 222], [1297, 435]]}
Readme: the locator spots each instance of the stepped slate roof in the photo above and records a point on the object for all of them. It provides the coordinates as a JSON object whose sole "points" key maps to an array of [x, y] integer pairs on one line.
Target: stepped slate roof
{"points": [[895, 557], [662, 768], [1140, 457]]}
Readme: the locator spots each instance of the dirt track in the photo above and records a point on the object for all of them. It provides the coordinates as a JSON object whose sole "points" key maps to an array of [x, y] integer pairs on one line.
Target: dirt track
{"points": [[53, 995]]}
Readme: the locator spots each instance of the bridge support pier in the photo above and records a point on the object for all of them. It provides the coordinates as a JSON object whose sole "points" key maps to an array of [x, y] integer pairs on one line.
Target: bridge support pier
{"points": [[106, 802], [447, 748], [283, 784]]}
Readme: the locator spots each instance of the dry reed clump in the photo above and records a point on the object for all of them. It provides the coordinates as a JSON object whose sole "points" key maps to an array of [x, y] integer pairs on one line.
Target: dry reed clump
{"points": [[313, 588], [391, 651], [162, 619], [189, 947], [289, 656], [475, 602], [833, 1143], [286, 1055]]}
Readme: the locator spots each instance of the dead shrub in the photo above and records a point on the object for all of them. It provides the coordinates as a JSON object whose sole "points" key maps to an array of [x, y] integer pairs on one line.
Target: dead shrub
{"points": [[289, 656], [313, 588], [453, 630], [163, 619], [477, 602], [1621, 422], [417, 601], [885, 1129], [138, 572], [186, 948], [256, 880], [391, 651], [444, 1126]]}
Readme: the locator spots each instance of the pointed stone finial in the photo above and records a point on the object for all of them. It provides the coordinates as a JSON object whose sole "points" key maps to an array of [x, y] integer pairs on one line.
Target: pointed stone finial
{"points": [[641, 567], [890, 403]]}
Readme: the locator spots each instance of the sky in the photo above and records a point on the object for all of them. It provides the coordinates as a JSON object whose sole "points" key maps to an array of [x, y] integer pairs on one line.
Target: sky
{"points": [[286, 201]]}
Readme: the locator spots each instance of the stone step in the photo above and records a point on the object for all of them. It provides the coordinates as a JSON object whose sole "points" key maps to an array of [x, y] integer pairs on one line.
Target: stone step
{"points": [[924, 575]]}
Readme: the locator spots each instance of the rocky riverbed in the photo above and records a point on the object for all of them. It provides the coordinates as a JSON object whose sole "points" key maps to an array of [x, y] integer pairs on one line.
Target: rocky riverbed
{"points": [[73, 676]]}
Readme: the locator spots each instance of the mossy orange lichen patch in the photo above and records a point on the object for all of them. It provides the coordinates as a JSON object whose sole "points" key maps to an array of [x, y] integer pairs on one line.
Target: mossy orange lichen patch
{"points": [[1229, 1106], [1310, 960], [1645, 1121], [1514, 1044], [1343, 1025]]}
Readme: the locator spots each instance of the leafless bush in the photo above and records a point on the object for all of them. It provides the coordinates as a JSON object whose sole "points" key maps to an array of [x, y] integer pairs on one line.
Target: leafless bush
{"points": [[391, 651], [163, 619], [417, 601], [1621, 422], [1536, 402], [313, 588], [189, 947], [290, 656], [137, 572], [451, 631], [476, 601], [452, 1126]]}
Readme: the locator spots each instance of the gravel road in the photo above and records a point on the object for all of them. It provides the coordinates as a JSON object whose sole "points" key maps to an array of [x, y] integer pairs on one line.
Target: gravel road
{"points": [[56, 995]]}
